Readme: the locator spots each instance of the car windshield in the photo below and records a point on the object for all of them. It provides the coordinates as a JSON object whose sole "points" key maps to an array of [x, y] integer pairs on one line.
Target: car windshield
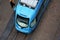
{"points": [[23, 22]]}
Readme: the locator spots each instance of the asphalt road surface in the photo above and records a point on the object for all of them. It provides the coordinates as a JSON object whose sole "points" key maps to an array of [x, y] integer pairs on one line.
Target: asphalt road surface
{"points": [[48, 28], [5, 14]]}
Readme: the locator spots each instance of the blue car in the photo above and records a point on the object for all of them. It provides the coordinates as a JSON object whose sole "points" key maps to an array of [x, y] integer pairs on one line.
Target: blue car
{"points": [[28, 14]]}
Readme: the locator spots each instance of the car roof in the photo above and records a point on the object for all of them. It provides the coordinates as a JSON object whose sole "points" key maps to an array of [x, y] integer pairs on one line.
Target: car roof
{"points": [[27, 12]]}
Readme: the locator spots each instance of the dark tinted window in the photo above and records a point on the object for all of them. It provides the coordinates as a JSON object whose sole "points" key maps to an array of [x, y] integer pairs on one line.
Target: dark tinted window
{"points": [[22, 19], [41, 9]]}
